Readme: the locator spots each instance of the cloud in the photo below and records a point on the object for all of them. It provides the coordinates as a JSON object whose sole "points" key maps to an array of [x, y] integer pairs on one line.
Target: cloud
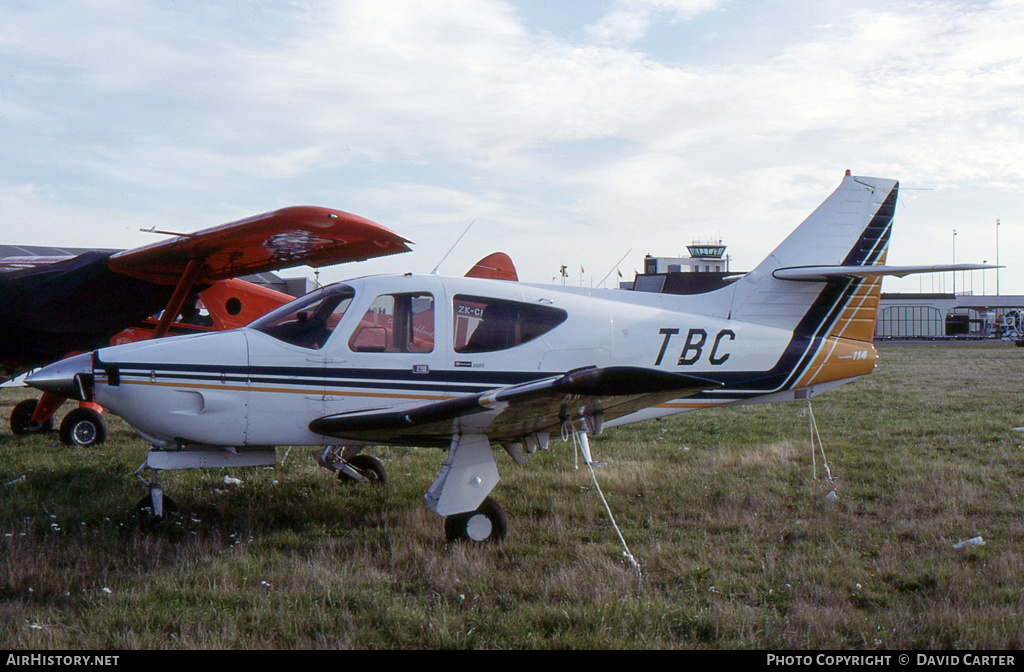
{"points": [[426, 115], [629, 20]]}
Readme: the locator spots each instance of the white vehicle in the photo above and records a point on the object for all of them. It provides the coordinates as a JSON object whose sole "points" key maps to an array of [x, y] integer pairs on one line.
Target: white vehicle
{"points": [[465, 364]]}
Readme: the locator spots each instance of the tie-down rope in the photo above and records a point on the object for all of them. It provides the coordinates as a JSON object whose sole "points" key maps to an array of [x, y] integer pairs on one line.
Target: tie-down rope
{"points": [[581, 443], [821, 447]]}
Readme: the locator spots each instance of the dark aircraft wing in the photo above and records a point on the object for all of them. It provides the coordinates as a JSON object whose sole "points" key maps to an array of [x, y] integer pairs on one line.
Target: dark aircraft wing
{"points": [[20, 257], [519, 410]]}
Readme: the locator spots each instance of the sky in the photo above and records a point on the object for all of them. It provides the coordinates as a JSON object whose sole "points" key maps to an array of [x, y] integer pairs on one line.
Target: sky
{"points": [[584, 134]]}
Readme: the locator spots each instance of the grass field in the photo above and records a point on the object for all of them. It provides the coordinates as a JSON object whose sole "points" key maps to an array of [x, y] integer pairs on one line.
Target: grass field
{"points": [[738, 544]]}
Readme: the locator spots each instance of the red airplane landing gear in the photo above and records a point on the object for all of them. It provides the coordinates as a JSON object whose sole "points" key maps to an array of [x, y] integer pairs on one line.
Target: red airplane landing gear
{"points": [[21, 419], [84, 426]]}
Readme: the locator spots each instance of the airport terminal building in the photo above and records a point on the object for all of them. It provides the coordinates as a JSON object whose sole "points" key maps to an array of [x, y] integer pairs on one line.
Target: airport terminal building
{"points": [[948, 315], [900, 316]]}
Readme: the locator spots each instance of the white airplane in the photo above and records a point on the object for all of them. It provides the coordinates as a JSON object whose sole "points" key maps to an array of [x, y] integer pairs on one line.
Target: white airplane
{"points": [[464, 364]]}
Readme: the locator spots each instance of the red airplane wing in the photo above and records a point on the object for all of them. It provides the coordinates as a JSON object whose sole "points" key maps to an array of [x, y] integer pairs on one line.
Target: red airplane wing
{"points": [[281, 239]]}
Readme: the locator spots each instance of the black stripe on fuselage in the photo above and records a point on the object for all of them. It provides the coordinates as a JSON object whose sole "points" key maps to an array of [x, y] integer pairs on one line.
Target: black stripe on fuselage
{"points": [[321, 377]]}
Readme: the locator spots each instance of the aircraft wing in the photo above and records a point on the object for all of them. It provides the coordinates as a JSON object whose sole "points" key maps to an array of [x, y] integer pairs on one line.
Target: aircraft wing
{"points": [[517, 411], [19, 257], [283, 238]]}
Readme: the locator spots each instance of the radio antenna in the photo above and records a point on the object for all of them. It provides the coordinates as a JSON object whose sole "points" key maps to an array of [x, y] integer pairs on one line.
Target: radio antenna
{"points": [[434, 272], [615, 267]]}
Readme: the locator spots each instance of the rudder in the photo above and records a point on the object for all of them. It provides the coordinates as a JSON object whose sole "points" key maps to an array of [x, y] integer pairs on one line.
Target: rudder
{"points": [[851, 228], [833, 319]]}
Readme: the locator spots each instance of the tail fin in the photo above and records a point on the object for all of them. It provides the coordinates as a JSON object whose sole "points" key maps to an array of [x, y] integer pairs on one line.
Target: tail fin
{"points": [[831, 314], [496, 266], [850, 229]]}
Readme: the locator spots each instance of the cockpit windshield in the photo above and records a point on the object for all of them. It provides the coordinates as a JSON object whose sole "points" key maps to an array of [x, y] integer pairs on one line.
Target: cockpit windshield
{"points": [[309, 320]]}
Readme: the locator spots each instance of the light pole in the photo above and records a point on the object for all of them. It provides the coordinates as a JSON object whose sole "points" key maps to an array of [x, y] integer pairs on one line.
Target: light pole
{"points": [[954, 261], [997, 257]]}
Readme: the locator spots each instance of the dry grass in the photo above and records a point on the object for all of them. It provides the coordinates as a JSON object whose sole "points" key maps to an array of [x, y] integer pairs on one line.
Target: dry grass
{"points": [[740, 548]]}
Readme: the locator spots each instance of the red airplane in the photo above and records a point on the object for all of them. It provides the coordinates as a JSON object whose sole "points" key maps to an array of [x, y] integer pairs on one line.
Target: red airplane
{"points": [[55, 306]]}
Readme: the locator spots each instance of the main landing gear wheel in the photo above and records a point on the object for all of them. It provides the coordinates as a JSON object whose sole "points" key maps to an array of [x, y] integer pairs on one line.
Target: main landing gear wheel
{"points": [[367, 466], [21, 418], [487, 523], [83, 427], [146, 511]]}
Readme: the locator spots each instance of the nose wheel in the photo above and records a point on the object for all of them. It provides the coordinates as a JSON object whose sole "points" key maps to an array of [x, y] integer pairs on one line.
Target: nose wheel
{"points": [[486, 523], [83, 427]]}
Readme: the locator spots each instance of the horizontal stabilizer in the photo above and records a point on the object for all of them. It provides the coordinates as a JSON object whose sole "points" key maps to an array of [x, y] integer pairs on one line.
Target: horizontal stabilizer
{"points": [[823, 273], [539, 405]]}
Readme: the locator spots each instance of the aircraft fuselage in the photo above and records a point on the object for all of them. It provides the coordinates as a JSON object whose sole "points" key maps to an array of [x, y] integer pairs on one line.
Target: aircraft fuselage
{"points": [[388, 342]]}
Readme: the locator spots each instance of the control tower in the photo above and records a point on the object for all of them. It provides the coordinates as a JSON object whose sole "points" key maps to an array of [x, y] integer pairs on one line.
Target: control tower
{"points": [[703, 271], [705, 257]]}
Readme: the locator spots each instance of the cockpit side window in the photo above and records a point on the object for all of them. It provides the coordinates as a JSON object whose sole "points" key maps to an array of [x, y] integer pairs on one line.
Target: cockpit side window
{"points": [[308, 321], [487, 325], [396, 323]]}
